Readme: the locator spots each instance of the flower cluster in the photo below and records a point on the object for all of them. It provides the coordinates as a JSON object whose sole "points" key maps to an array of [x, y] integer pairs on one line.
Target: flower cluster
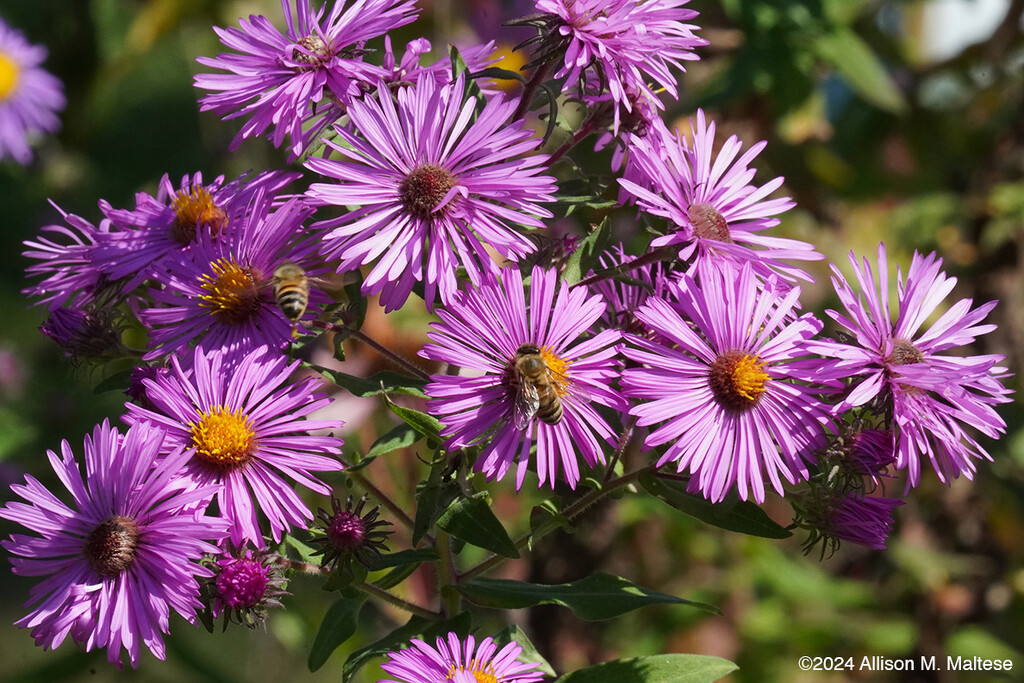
{"points": [[558, 366]]}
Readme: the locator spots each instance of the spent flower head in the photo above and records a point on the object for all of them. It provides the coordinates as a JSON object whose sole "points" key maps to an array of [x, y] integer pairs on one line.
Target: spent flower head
{"points": [[293, 84], [713, 210], [435, 183], [902, 367], [116, 560]]}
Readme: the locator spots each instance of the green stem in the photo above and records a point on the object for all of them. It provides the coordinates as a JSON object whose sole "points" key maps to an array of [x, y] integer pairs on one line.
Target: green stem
{"points": [[380, 348], [627, 435], [384, 499], [446, 575], [536, 78], [391, 598], [588, 127], [572, 511], [659, 254]]}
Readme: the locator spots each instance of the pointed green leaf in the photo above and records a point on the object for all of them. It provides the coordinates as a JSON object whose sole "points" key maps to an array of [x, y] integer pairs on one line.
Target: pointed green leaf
{"points": [[587, 254], [655, 669], [404, 563], [529, 653], [733, 514], [473, 521], [401, 436], [594, 598], [432, 498], [855, 62], [339, 625], [417, 627], [425, 424]]}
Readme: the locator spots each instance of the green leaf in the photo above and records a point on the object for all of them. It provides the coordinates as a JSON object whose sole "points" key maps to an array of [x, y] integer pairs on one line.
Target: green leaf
{"points": [[529, 654], [432, 498], [386, 381], [425, 424], [401, 436], [733, 515], [404, 563], [855, 62], [473, 521], [339, 625], [545, 518], [587, 255], [594, 598], [417, 627], [306, 553], [655, 669]]}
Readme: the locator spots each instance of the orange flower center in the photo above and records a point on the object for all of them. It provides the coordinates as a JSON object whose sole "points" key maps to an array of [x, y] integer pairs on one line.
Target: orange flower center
{"points": [[483, 673], [233, 295], [194, 209], [737, 380]]}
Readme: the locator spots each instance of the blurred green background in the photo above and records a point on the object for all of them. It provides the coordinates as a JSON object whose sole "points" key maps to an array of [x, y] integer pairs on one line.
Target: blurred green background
{"points": [[891, 121]]}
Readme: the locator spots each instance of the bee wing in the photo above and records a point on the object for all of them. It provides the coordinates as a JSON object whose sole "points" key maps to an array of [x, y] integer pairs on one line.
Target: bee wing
{"points": [[569, 389], [525, 406]]}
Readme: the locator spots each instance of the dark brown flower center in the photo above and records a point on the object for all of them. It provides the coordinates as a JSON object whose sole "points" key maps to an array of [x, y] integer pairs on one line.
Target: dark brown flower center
{"points": [[708, 223], [737, 380], [110, 547], [424, 188], [904, 353]]}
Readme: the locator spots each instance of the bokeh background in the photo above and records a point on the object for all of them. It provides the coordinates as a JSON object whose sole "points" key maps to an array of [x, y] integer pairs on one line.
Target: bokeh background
{"points": [[891, 121]]}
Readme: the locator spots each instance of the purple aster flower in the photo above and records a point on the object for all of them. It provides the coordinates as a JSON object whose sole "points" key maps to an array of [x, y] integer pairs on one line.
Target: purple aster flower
{"points": [[932, 396], [709, 202], [433, 185], [221, 291], [83, 334], [626, 43], [730, 383], [122, 555], [161, 226], [311, 71], [851, 516], [68, 262], [460, 661], [30, 96], [487, 332], [245, 434]]}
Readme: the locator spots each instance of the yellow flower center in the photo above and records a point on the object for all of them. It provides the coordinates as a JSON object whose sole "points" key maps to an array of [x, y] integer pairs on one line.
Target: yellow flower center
{"points": [[224, 440], [234, 297], [193, 209], [557, 366], [484, 674], [9, 72], [737, 380]]}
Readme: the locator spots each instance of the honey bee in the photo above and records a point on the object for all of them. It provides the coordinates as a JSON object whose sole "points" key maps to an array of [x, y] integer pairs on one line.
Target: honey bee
{"points": [[540, 389], [291, 291]]}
